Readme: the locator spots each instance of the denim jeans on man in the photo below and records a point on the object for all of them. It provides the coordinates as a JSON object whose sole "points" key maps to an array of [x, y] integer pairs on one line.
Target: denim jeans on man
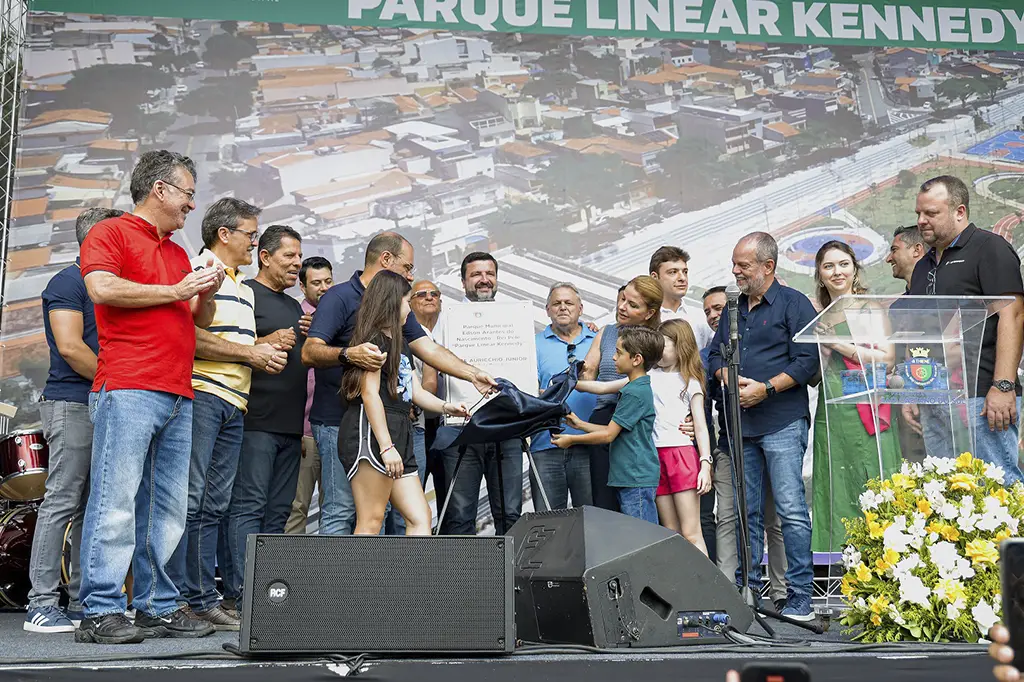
{"points": [[481, 462], [995, 447], [638, 503], [564, 473], [338, 515], [68, 431], [216, 445], [261, 499], [776, 460], [136, 514]]}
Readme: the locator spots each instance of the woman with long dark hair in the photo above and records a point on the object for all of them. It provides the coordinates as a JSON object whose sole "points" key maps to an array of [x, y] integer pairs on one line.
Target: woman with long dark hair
{"points": [[852, 443], [375, 439]]}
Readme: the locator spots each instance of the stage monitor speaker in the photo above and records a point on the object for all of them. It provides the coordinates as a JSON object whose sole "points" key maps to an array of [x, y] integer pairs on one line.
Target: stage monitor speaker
{"points": [[598, 578], [376, 594]]}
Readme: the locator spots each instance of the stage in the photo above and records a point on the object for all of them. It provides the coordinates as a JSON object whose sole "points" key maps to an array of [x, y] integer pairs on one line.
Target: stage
{"points": [[830, 657]]}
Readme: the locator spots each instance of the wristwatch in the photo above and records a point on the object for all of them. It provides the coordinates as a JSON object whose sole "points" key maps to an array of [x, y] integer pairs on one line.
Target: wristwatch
{"points": [[1004, 385], [343, 356], [769, 389]]}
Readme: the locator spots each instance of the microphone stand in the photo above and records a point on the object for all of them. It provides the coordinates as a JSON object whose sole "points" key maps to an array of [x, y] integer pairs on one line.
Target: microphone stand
{"points": [[734, 425]]}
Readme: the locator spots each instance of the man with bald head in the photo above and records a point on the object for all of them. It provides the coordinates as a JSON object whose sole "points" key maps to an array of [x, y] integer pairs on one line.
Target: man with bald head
{"points": [[328, 351]]}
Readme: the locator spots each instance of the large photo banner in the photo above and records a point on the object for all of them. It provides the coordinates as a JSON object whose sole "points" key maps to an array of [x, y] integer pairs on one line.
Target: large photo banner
{"points": [[570, 138]]}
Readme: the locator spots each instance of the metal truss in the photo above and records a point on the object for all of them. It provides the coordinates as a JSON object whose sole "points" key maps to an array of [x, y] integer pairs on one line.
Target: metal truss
{"points": [[13, 18]]}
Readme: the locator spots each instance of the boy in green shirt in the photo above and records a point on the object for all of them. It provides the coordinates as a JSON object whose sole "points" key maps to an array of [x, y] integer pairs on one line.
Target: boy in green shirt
{"points": [[634, 469]]}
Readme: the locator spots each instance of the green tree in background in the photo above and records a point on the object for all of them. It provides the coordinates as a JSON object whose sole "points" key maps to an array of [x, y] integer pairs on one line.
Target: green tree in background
{"points": [[648, 65], [225, 50], [561, 84], [588, 181], [118, 89], [229, 100]]}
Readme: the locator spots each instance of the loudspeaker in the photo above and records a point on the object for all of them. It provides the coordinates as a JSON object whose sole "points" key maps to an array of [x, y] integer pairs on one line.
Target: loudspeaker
{"points": [[594, 577], [370, 594]]}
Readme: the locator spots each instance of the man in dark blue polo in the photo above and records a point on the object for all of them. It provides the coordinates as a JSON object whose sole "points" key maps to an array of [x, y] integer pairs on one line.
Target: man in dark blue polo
{"points": [[774, 373], [327, 350], [70, 324]]}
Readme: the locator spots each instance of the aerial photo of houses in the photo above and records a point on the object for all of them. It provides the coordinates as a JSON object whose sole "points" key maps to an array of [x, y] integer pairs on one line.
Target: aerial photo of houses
{"points": [[570, 158]]}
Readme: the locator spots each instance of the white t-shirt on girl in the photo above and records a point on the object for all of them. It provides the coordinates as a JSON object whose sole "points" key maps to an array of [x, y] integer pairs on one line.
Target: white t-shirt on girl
{"points": [[671, 406]]}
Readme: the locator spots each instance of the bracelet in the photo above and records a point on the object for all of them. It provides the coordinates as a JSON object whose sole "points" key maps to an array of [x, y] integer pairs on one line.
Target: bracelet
{"points": [[444, 409], [709, 459], [390, 447]]}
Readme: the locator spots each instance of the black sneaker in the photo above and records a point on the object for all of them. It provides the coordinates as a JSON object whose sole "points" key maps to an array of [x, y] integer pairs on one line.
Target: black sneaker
{"points": [[113, 628], [174, 624]]}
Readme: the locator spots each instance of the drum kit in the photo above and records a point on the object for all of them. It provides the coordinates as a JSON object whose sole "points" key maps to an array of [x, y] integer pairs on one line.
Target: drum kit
{"points": [[24, 460]]}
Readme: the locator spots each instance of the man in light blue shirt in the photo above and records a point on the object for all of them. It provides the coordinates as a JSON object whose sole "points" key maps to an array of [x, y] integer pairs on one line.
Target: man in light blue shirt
{"points": [[564, 473]]}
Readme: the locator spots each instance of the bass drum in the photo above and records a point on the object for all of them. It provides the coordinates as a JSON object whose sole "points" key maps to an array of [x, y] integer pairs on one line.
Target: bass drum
{"points": [[24, 459], [16, 529], [67, 565]]}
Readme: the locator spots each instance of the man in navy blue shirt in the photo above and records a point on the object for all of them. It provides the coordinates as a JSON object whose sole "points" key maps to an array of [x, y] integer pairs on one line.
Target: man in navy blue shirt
{"points": [[70, 325], [327, 350], [774, 373]]}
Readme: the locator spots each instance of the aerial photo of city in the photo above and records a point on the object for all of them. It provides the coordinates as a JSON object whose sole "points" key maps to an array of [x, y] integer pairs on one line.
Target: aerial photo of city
{"points": [[571, 158]]}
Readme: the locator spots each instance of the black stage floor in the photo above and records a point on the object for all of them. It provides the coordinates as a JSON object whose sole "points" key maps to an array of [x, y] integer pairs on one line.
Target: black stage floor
{"points": [[24, 656]]}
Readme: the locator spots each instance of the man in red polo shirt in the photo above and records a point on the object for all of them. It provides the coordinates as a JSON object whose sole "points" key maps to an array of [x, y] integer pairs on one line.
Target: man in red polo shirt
{"points": [[148, 303]]}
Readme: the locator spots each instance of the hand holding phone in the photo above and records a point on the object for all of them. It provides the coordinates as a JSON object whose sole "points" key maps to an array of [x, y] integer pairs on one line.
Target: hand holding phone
{"points": [[775, 672], [1011, 568]]}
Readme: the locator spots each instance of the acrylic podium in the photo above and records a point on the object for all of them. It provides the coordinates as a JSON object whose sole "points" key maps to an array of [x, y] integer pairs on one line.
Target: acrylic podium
{"points": [[879, 354]]}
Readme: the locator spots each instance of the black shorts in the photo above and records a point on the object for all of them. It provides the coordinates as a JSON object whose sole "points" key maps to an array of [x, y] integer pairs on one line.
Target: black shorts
{"points": [[356, 442]]}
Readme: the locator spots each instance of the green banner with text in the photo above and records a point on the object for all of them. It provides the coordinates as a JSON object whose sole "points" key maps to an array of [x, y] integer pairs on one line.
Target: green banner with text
{"points": [[978, 24]]}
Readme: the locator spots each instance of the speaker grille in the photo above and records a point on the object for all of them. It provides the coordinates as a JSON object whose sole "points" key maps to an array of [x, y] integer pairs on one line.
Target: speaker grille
{"points": [[380, 594]]}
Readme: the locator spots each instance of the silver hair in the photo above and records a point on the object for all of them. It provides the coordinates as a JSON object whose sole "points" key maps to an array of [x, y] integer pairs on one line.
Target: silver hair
{"points": [[765, 247], [563, 285], [88, 218]]}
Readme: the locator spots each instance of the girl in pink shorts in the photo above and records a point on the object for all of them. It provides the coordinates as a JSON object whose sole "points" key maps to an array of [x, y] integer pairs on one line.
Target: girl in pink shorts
{"points": [[678, 386]]}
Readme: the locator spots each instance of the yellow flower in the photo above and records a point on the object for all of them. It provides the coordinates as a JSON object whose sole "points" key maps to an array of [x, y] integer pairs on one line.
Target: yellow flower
{"points": [[863, 573], [962, 482], [887, 484], [877, 530], [846, 587], [876, 619], [964, 461], [902, 481], [1004, 534], [935, 527], [878, 604], [950, 533], [953, 590], [982, 552], [925, 507], [888, 560], [870, 516], [1002, 496]]}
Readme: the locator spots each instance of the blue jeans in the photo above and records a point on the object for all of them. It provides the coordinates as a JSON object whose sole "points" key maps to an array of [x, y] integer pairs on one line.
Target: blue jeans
{"points": [[216, 444], [261, 499], [481, 462], [996, 447], [138, 499], [338, 514], [776, 459], [638, 503], [563, 473], [394, 524]]}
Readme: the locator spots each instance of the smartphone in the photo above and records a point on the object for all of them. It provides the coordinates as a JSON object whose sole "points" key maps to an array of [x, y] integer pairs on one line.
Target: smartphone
{"points": [[775, 672], [1011, 566]]}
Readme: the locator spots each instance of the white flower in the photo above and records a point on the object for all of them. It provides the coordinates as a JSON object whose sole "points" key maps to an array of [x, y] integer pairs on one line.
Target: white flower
{"points": [[888, 495], [995, 473], [894, 538], [967, 505], [933, 537], [869, 500], [905, 566], [967, 521], [1013, 523], [954, 610], [861, 603], [948, 561], [943, 466], [995, 515], [914, 470], [949, 511], [934, 488], [851, 557], [985, 616], [895, 615], [914, 591]]}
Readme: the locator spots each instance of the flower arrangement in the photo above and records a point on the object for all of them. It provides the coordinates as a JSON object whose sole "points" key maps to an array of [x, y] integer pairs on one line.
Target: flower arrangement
{"points": [[922, 563]]}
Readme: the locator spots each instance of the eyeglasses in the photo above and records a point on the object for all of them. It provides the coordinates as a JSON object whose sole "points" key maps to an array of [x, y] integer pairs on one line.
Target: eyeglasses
{"points": [[253, 236], [191, 194], [409, 267], [427, 294], [930, 291], [570, 353]]}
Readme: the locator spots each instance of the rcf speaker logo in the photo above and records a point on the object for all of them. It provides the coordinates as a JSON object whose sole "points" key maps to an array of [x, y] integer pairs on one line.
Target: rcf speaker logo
{"points": [[277, 593]]}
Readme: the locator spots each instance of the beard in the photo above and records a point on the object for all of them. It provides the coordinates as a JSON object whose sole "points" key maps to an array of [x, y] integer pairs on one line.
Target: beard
{"points": [[752, 284], [478, 295]]}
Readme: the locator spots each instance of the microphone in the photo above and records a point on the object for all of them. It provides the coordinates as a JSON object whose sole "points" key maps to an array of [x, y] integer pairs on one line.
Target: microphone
{"points": [[732, 295]]}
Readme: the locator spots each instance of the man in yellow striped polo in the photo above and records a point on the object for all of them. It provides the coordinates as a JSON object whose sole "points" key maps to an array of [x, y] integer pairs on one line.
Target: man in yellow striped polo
{"points": [[226, 352]]}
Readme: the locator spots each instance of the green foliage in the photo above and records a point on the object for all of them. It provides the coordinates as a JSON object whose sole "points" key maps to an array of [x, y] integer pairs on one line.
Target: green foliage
{"points": [[605, 67], [561, 84], [118, 89], [225, 50], [588, 181], [648, 65], [230, 100]]}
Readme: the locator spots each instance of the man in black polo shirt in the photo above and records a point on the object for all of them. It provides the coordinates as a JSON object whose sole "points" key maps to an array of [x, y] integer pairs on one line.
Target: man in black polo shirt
{"points": [[328, 351], [967, 261]]}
